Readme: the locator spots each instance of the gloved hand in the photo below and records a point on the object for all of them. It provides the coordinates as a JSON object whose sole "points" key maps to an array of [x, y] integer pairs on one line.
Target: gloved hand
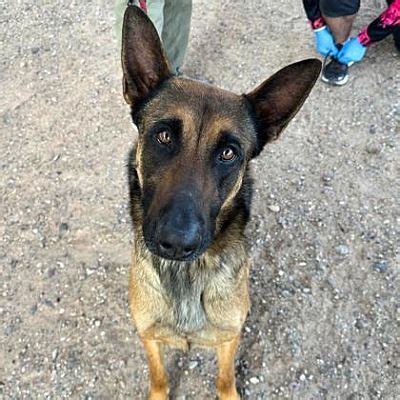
{"points": [[324, 42], [352, 51]]}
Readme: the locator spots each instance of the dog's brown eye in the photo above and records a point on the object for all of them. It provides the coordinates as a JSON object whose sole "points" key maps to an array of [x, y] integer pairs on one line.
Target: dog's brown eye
{"points": [[164, 137], [228, 154]]}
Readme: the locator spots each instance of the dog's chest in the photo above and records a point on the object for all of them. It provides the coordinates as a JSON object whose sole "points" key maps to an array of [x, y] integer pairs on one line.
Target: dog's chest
{"points": [[184, 285], [189, 301]]}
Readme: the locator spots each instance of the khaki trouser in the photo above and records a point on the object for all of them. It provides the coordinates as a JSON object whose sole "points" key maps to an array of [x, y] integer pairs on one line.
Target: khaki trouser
{"points": [[172, 21]]}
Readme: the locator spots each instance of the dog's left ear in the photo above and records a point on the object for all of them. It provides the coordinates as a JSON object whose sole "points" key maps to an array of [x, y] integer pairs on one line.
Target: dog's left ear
{"points": [[276, 101], [143, 60]]}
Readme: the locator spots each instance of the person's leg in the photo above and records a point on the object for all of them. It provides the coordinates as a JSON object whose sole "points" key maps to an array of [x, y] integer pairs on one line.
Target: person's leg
{"points": [[396, 33], [155, 10], [339, 16], [396, 38], [119, 9], [176, 29], [340, 27]]}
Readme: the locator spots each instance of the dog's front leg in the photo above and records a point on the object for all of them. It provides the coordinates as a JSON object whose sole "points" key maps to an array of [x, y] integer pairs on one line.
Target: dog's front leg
{"points": [[158, 376], [226, 382]]}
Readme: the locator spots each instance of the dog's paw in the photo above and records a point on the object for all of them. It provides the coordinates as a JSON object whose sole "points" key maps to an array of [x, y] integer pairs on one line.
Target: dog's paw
{"points": [[232, 395], [227, 392], [159, 394]]}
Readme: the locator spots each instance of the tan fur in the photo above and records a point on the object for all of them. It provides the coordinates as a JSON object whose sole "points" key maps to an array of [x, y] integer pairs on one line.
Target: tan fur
{"points": [[226, 303], [226, 387]]}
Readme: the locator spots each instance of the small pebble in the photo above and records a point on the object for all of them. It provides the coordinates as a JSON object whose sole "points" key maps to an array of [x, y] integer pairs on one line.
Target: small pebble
{"points": [[287, 292], [274, 208], [63, 228], [254, 380], [34, 309], [327, 177], [342, 249], [374, 148], [193, 364], [380, 266], [48, 303], [360, 324], [9, 330], [294, 386], [51, 272]]}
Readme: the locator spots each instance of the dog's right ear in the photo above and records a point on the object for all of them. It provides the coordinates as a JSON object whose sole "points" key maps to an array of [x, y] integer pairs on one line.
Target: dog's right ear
{"points": [[277, 100], [144, 63]]}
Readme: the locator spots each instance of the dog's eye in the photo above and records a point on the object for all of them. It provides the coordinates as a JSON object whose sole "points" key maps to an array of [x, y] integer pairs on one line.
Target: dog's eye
{"points": [[228, 154], [164, 137]]}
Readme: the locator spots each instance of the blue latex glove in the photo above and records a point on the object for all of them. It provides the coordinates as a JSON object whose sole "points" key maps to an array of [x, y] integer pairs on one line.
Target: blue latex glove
{"points": [[352, 51], [324, 42]]}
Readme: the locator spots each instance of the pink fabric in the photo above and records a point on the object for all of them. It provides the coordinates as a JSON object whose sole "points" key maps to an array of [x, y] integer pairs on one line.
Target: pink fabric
{"points": [[143, 5], [364, 38], [392, 15], [318, 23], [389, 18]]}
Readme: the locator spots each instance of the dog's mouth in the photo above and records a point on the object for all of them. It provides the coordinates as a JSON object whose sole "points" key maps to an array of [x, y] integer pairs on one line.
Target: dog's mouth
{"points": [[175, 254], [154, 249]]}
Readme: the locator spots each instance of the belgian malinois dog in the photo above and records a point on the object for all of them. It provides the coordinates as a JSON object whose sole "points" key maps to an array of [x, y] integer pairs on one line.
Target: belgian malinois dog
{"points": [[190, 193]]}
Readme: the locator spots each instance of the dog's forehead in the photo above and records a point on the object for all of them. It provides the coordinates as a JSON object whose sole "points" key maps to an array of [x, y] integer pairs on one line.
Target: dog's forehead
{"points": [[201, 107], [200, 92]]}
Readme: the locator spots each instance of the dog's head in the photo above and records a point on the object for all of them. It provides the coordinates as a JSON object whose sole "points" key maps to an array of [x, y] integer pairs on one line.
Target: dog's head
{"points": [[195, 140]]}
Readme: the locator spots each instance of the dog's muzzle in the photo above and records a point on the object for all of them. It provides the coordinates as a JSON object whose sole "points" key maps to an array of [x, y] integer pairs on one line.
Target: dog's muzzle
{"points": [[179, 232]]}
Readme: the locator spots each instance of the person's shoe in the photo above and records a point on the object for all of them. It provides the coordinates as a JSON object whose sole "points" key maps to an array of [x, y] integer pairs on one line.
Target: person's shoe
{"points": [[335, 73]]}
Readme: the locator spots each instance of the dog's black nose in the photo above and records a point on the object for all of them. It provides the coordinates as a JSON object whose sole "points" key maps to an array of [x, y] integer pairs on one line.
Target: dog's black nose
{"points": [[179, 235]]}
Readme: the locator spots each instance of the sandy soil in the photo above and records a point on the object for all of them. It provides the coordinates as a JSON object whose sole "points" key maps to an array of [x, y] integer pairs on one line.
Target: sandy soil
{"points": [[325, 229]]}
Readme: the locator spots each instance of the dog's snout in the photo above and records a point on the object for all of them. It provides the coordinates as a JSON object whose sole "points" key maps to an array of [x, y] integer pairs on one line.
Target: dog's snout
{"points": [[180, 244], [179, 235]]}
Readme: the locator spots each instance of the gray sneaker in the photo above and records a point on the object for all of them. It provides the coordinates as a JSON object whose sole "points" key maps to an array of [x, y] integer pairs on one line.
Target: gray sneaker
{"points": [[335, 73]]}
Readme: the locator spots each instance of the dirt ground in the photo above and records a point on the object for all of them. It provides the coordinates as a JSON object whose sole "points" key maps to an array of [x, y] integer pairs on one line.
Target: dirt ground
{"points": [[325, 228]]}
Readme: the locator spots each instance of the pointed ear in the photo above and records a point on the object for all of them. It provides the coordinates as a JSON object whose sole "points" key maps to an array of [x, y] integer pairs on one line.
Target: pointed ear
{"points": [[143, 60], [276, 101]]}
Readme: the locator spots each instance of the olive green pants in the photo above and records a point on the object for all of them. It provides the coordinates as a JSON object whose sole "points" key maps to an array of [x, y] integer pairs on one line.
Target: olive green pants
{"points": [[172, 21]]}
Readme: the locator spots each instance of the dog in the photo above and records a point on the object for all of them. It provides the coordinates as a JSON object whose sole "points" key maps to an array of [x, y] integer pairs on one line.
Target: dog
{"points": [[190, 196]]}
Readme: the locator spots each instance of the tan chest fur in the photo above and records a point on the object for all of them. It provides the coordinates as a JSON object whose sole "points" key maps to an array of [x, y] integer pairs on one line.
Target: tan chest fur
{"points": [[214, 315]]}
